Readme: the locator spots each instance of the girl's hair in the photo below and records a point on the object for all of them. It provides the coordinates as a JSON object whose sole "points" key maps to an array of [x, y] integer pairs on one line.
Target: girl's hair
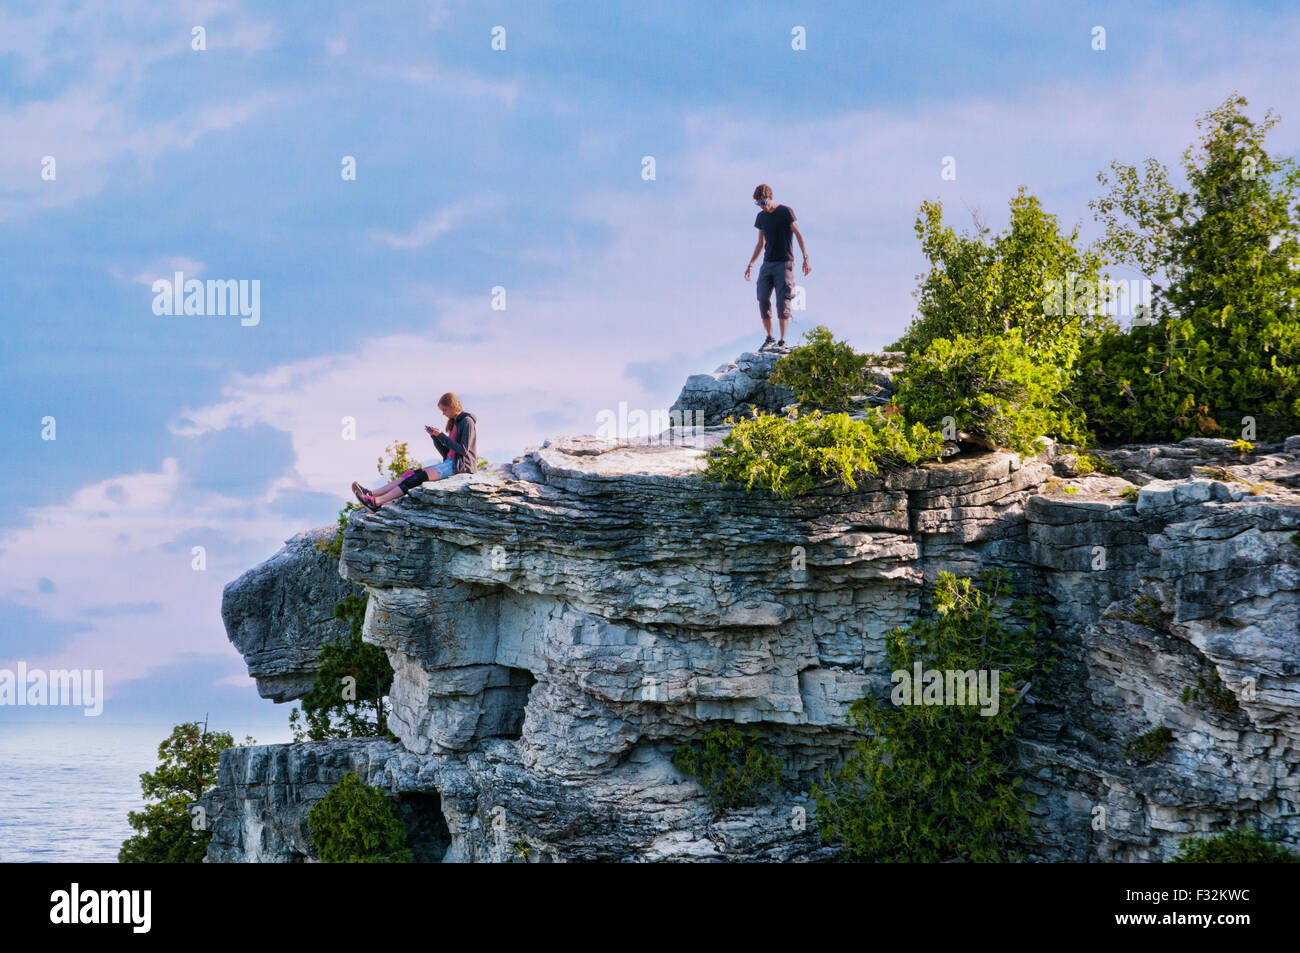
{"points": [[450, 401]]}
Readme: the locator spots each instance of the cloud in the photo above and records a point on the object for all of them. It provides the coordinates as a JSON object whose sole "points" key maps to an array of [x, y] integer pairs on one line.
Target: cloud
{"points": [[245, 36], [90, 137], [432, 227], [166, 268], [85, 94], [424, 232], [121, 608], [29, 633], [461, 83], [132, 533]]}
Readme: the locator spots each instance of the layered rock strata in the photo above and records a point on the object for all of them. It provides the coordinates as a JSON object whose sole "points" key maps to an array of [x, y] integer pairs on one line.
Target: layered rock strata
{"points": [[560, 625]]}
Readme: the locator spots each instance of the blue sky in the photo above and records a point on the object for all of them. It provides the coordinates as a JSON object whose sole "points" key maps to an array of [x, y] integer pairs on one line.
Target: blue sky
{"points": [[476, 168]]}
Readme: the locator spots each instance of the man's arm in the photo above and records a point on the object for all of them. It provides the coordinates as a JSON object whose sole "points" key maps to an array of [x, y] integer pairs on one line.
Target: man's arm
{"points": [[758, 250], [799, 235]]}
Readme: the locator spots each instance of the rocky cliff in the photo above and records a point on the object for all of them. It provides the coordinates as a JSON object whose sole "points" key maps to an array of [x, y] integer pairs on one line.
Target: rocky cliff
{"points": [[559, 625]]}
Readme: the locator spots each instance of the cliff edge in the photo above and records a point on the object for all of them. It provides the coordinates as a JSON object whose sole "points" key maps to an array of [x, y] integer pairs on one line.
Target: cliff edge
{"points": [[559, 625]]}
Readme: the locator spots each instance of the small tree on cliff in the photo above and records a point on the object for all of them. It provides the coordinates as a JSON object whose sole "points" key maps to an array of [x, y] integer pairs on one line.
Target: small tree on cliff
{"points": [[168, 832], [929, 780], [999, 327], [347, 697], [1224, 258], [1034, 277]]}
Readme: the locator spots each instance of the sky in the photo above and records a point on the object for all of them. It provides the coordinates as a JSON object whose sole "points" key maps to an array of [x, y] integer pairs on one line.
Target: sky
{"points": [[213, 138]]}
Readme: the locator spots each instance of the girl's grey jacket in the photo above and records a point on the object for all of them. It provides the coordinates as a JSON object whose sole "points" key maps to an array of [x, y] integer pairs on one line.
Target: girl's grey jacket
{"points": [[465, 446]]}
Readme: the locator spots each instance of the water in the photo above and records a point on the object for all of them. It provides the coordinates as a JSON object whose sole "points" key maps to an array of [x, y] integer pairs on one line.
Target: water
{"points": [[65, 789]]}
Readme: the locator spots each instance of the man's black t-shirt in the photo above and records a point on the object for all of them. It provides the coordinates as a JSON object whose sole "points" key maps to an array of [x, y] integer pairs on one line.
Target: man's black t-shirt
{"points": [[776, 230]]}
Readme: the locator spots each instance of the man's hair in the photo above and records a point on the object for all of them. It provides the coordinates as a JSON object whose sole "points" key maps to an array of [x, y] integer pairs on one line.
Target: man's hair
{"points": [[762, 193], [451, 402]]}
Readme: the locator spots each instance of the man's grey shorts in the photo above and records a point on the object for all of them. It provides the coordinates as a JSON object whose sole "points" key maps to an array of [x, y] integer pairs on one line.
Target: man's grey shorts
{"points": [[778, 276]]}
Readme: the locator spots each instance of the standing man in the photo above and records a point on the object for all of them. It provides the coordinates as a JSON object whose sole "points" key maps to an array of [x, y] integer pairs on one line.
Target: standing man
{"points": [[776, 225]]}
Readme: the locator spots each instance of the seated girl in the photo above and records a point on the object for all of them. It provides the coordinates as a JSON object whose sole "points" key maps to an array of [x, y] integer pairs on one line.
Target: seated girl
{"points": [[459, 449]]}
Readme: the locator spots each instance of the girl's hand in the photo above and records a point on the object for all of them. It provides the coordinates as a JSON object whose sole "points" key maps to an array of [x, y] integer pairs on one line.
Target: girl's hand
{"points": [[433, 431]]}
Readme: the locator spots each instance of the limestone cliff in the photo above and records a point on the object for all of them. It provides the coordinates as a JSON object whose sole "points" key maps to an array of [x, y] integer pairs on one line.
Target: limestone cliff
{"points": [[279, 614], [559, 625]]}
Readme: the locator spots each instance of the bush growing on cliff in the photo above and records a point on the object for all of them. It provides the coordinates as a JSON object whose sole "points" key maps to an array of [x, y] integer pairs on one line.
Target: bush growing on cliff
{"points": [[823, 372], [994, 388], [1238, 846], [1033, 278], [347, 696], [356, 824], [1224, 258], [734, 768], [187, 766], [934, 782], [999, 328], [1149, 745], [791, 455]]}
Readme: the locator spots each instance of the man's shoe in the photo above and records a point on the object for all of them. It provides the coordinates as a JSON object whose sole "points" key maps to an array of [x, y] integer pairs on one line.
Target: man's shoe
{"points": [[781, 344], [766, 344]]}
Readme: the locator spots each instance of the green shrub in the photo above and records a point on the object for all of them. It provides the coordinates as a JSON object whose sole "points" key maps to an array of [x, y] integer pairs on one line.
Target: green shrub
{"points": [[356, 824], [334, 545], [994, 388], [1238, 846], [941, 782], [1130, 493], [1086, 463], [734, 768], [1212, 691], [1223, 256], [823, 372], [1033, 278], [346, 699], [792, 455], [166, 832], [1150, 745]]}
